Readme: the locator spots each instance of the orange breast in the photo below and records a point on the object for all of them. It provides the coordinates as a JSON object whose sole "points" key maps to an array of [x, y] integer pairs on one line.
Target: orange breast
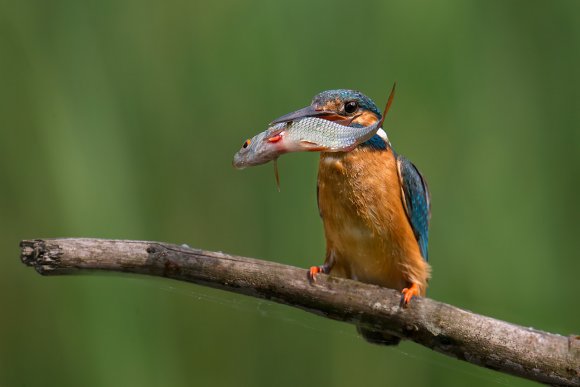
{"points": [[368, 235]]}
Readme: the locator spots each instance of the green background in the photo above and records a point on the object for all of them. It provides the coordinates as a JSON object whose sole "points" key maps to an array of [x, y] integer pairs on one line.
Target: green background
{"points": [[119, 119]]}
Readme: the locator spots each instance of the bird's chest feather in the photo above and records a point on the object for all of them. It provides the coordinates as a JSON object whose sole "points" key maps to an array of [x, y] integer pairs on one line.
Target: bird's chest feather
{"points": [[367, 232]]}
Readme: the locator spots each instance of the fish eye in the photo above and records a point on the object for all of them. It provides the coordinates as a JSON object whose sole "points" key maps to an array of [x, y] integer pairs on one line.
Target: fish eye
{"points": [[350, 107], [245, 145]]}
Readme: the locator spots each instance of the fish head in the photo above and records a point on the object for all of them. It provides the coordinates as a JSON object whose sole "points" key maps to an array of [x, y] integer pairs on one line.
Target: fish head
{"points": [[261, 148]]}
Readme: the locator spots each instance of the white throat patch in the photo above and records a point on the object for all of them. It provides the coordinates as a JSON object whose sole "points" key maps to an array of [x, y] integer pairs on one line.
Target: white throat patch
{"points": [[382, 134]]}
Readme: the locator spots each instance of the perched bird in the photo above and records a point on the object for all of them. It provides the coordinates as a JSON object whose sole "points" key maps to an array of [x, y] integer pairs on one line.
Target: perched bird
{"points": [[374, 204]]}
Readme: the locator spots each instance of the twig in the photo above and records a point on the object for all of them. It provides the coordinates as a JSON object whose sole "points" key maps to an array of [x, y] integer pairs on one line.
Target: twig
{"points": [[481, 340]]}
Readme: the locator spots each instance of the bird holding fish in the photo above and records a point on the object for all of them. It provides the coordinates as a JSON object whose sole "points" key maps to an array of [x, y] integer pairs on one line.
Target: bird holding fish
{"points": [[374, 203]]}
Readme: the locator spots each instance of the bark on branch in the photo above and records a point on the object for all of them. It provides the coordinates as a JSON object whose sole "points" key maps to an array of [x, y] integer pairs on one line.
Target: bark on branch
{"points": [[481, 340]]}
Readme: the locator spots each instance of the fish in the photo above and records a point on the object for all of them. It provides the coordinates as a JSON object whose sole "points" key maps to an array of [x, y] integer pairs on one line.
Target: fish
{"points": [[309, 134]]}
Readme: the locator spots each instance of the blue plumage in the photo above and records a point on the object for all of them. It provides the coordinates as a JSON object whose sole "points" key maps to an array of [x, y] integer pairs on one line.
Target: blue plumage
{"points": [[345, 95], [376, 142], [417, 202]]}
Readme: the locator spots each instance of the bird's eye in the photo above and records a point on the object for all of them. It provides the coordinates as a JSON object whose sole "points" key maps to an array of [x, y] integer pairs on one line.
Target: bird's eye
{"points": [[246, 143], [350, 107]]}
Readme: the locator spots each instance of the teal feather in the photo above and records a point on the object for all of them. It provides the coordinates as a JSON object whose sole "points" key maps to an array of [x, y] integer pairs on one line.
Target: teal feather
{"points": [[417, 202]]}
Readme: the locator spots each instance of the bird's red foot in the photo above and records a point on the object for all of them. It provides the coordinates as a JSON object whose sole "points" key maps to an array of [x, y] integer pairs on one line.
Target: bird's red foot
{"points": [[408, 293], [314, 271]]}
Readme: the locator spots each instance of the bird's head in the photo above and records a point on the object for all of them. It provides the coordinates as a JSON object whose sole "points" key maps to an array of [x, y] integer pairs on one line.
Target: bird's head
{"points": [[347, 107]]}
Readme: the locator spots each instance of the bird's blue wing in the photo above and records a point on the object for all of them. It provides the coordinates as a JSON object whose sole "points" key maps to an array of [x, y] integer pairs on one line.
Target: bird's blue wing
{"points": [[416, 201]]}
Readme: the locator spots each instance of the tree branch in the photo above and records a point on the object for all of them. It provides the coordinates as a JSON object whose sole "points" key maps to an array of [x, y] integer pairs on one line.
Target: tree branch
{"points": [[481, 340]]}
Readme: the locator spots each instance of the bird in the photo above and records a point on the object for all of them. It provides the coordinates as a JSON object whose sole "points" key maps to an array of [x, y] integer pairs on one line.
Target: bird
{"points": [[374, 204]]}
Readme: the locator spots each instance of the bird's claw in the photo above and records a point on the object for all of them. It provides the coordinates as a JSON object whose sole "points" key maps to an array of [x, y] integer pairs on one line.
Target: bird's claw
{"points": [[314, 271], [408, 294]]}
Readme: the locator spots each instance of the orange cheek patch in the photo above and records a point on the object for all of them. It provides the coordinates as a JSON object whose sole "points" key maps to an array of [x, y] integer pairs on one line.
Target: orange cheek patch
{"points": [[331, 105], [366, 119]]}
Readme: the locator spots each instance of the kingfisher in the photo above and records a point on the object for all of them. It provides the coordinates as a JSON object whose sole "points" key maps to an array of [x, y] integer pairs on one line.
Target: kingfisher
{"points": [[374, 204]]}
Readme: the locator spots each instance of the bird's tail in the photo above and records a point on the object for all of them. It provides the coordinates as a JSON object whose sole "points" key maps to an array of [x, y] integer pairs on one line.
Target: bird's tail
{"points": [[378, 337]]}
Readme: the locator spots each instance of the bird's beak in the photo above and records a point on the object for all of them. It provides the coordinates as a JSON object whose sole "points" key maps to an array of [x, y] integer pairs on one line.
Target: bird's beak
{"points": [[311, 111]]}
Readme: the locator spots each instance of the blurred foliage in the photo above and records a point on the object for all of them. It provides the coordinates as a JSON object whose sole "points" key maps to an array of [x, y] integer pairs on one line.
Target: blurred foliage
{"points": [[120, 119]]}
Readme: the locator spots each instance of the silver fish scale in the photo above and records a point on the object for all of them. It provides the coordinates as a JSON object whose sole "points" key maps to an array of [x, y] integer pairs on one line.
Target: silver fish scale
{"points": [[327, 133], [319, 133]]}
